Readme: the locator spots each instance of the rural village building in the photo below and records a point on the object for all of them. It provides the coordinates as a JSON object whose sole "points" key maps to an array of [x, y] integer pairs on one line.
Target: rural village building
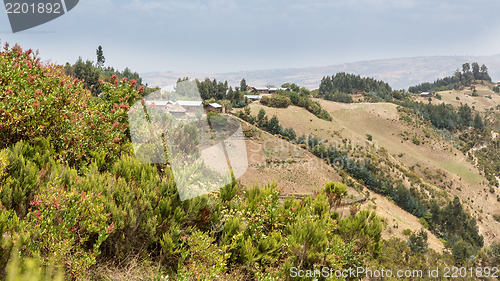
{"points": [[265, 90], [191, 106], [214, 107], [177, 108]]}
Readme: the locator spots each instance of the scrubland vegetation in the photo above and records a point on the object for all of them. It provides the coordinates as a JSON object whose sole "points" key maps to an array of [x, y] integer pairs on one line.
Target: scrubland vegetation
{"points": [[75, 204]]}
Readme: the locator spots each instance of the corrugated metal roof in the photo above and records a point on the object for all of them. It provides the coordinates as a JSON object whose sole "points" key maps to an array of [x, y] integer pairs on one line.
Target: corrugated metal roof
{"points": [[176, 108], [254, 97], [189, 103]]}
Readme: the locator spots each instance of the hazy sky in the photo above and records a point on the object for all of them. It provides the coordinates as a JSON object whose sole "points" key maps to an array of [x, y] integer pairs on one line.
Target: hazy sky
{"points": [[229, 35]]}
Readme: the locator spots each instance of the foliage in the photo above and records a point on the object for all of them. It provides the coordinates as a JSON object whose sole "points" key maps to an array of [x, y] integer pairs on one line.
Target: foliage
{"points": [[71, 195], [365, 228], [272, 125], [67, 227], [31, 269], [212, 89], [396, 255], [339, 97], [276, 100], [445, 116], [40, 101], [451, 222], [87, 73], [459, 79], [298, 97], [496, 217], [203, 258], [352, 84], [335, 192], [100, 57], [488, 156], [418, 242]]}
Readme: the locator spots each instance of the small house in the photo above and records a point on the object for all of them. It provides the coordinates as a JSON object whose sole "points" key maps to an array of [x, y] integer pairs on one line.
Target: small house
{"points": [[214, 107], [259, 90], [426, 94], [176, 109], [191, 106]]}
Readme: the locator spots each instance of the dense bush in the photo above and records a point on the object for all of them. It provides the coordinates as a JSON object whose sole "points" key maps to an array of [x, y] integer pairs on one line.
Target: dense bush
{"points": [[445, 116], [339, 97], [352, 84], [272, 125], [39, 101], [279, 101], [76, 219]]}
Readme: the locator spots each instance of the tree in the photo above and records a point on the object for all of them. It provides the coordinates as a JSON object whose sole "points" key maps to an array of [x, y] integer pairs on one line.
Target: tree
{"points": [[100, 57], [86, 72], [461, 251], [466, 67], [465, 114], [273, 126], [484, 73], [261, 118], [478, 121], [335, 192], [475, 70], [243, 85], [418, 242], [494, 253]]}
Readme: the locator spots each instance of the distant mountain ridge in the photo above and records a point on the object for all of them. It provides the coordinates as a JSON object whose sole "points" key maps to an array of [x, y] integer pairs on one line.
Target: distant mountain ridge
{"points": [[400, 73]]}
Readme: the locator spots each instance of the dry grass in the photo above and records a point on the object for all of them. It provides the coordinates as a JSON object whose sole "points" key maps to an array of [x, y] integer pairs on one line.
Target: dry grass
{"points": [[134, 269], [481, 102], [381, 120]]}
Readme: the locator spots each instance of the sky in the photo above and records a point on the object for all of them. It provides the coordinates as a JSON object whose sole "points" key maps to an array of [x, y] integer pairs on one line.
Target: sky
{"points": [[217, 36]]}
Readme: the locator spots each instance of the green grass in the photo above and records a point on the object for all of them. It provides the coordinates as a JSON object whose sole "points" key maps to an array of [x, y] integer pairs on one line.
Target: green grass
{"points": [[463, 172]]}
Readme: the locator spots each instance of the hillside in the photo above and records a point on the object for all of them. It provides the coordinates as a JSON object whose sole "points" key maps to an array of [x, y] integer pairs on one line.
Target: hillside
{"points": [[442, 168], [328, 185], [306, 175]]}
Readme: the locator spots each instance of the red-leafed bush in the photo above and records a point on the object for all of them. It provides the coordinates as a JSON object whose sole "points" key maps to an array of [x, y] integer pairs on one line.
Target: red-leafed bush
{"points": [[37, 100]]}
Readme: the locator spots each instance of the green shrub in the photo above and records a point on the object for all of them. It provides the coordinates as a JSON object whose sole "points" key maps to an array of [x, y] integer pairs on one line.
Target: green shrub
{"points": [[418, 242], [339, 97], [12, 230], [279, 101], [203, 259], [53, 104], [496, 217], [415, 140], [31, 269], [67, 226]]}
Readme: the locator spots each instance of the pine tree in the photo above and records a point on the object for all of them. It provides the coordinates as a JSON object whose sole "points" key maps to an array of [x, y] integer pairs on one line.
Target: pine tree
{"points": [[100, 57]]}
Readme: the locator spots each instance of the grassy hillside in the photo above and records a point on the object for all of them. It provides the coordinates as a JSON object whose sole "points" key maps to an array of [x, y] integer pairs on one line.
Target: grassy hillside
{"points": [[76, 204], [444, 171]]}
